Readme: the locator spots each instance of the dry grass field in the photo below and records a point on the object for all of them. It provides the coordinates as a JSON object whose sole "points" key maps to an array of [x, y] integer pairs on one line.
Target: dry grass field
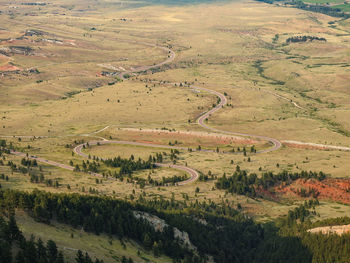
{"points": [[59, 79]]}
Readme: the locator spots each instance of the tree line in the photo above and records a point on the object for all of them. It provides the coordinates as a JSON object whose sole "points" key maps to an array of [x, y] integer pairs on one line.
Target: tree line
{"points": [[335, 12], [247, 184], [216, 230], [94, 214], [304, 39], [14, 247], [322, 248], [226, 239], [127, 166]]}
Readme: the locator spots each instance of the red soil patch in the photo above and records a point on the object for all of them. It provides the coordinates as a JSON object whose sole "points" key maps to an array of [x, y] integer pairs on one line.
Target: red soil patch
{"points": [[8, 67], [10, 41], [334, 189], [188, 137]]}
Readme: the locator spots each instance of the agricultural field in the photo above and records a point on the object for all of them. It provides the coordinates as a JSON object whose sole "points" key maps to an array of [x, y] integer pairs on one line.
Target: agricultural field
{"points": [[174, 101]]}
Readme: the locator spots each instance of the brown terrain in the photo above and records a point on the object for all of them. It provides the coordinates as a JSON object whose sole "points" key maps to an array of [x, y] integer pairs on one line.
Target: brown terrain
{"points": [[208, 138], [337, 190], [9, 67]]}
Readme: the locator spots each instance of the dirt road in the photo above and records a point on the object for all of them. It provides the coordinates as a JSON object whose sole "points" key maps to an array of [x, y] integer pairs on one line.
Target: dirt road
{"points": [[193, 173], [276, 144], [201, 121], [169, 59]]}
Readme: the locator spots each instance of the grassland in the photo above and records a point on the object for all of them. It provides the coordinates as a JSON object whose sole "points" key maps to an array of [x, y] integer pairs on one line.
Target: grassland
{"points": [[343, 7], [339, 4], [67, 88]]}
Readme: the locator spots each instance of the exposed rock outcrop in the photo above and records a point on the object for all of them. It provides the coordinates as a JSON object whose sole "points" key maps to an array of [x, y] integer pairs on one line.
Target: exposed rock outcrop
{"points": [[339, 230], [159, 225]]}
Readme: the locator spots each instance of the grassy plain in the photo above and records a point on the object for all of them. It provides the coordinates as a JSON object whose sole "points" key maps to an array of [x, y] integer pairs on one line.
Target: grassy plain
{"points": [[237, 48]]}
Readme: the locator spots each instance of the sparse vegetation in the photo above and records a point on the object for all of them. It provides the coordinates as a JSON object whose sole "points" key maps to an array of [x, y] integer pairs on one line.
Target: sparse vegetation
{"points": [[128, 83]]}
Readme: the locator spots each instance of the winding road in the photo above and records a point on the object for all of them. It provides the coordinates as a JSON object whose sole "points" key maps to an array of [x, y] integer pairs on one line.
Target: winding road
{"points": [[201, 121], [170, 58], [193, 173]]}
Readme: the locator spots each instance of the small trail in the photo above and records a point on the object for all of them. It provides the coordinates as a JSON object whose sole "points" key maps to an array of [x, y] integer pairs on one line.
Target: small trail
{"points": [[316, 145], [283, 98], [276, 144], [170, 58]]}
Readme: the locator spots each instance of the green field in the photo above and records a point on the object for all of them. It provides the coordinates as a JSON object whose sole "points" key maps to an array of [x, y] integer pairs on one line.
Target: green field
{"points": [[344, 7], [324, 1]]}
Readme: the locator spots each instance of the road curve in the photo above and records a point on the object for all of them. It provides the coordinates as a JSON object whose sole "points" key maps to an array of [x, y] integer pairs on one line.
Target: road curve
{"points": [[276, 144], [49, 162], [170, 58], [201, 121], [193, 173], [78, 150]]}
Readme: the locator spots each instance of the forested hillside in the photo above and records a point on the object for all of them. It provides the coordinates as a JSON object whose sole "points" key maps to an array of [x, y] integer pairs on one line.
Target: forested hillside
{"points": [[14, 247], [214, 230]]}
